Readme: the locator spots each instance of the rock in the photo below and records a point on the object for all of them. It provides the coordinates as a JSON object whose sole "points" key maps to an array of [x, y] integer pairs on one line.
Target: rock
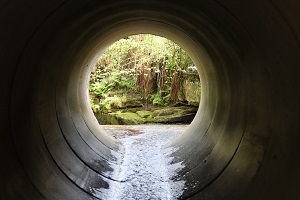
{"points": [[192, 90], [133, 103], [187, 118], [108, 118], [182, 114], [119, 118], [144, 113], [163, 112], [128, 118]]}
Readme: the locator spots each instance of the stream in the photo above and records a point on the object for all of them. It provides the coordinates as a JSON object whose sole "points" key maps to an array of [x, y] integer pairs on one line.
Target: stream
{"points": [[144, 171]]}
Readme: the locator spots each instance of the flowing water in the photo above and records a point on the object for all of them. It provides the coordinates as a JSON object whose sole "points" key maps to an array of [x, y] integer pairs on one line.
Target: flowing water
{"points": [[144, 171]]}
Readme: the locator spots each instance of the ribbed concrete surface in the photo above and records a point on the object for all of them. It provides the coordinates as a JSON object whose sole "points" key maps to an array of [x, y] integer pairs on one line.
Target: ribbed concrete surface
{"points": [[243, 143]]}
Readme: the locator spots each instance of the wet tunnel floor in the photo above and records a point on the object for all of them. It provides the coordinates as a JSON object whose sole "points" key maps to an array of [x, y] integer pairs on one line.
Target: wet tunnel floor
{"points": [[143, 171]]}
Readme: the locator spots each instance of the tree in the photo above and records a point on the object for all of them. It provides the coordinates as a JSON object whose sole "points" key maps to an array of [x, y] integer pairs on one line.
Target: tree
{"points": [[141, 65]]}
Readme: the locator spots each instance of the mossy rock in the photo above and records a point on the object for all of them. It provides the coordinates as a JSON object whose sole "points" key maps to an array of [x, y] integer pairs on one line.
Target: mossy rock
{"points": [[144, 113], [129, 118], [119, 118], [188, 118], [182, 114], [133, 103], [132, 110], [163, 112], [107, 118], [187, 109]]}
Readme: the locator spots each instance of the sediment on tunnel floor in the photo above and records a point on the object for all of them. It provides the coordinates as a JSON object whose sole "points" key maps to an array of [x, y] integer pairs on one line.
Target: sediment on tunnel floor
{"points": [[242, 143]]}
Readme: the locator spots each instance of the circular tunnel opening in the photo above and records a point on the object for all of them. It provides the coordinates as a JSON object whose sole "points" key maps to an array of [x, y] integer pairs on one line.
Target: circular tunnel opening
{"points": [[226, 153], [144, 79]]}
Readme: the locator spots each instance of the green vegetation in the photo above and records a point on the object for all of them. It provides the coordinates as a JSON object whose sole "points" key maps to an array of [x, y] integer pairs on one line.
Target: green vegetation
{"points": [[183, 114], [138, 71]]}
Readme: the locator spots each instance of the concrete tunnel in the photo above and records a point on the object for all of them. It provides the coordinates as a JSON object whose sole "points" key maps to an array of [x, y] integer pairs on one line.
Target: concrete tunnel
{"points": [[243, 142]]}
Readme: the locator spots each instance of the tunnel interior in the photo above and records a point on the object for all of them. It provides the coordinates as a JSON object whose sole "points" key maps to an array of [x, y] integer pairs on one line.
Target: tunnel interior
{"points": [[242, 143]]}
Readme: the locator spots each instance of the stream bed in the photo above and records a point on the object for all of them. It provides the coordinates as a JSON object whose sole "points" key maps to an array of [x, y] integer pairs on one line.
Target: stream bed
{"points": [[144, 171]]}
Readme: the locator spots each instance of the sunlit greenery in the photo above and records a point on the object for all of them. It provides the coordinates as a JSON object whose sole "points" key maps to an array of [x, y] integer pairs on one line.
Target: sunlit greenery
{"points": [[139, 67]]}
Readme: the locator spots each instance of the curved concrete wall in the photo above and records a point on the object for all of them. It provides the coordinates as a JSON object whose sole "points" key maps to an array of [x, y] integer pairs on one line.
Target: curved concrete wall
{"points": [[243, 143]]}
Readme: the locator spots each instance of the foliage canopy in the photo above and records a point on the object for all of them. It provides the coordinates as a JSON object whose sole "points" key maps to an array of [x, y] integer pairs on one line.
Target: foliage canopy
{"points": [[138, 67]]}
